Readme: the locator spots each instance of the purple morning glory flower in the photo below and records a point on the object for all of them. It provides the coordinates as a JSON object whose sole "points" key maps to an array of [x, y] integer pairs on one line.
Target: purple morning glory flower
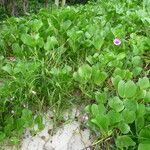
{"points": [[117, 41]]}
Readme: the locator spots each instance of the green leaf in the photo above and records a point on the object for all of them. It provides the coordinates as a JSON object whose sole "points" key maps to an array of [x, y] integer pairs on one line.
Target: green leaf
{"points": [[85, 72], [115, 63], [98, 76], [20, 126], [40, 42], [102, 109], [121, 56], [101, 97], [130, 89], [141, 94], [14, 140], [116, 80], [141, 110], [114, 117], [102, 121], [144, 146], [127, 89], [95, 109], [137, 71], [147, 97], [124, 142], [116, 104], [139, 124], [90, 60], [128, 75], [120, 72], [136, 61], [130, 104], [88, 35], [144, 135], [7, 68], [121, 88], [144, 83], [87, 109], [98, 42], [39, 120], [2, 136], [27, 117], [9, 121], [36, 24], [129, 116], [119, 30], [76, 76], [28, 40], [17, 50], [51, 43], [66, 24], [124, 128], [103, 75]]}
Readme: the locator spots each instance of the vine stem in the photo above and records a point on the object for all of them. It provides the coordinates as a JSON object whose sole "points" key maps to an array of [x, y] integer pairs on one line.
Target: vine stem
{"points": [[99, 141]]}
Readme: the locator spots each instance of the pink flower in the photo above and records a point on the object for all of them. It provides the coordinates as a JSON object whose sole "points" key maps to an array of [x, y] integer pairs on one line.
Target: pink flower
{"points": [[117, 41]]}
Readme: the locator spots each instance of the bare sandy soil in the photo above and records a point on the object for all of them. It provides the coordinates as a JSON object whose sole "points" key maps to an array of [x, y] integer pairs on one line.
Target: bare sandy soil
{"points": [[68, 137]]}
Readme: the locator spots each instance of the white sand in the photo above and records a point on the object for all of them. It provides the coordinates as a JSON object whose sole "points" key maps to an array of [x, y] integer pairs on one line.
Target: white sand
{"points": [[68, 137]]}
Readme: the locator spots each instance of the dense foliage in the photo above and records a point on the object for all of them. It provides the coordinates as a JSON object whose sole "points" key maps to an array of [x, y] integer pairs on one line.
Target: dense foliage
{"points": [[64, 56], [23, 7]]}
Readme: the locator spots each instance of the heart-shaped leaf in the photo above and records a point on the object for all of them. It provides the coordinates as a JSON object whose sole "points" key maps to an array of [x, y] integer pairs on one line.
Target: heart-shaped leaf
{"points": [[144, 83], [28, 40], [124, 142], [95, 109], [129, 116], [102, 121], [51, 43], [144, 146], [127, 89], [101, 97], [124, 128], [116, 104], [114, 117]]}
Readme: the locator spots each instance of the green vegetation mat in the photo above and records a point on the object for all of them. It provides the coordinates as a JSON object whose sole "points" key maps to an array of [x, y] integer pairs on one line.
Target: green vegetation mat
{"points": [[57, 58]]}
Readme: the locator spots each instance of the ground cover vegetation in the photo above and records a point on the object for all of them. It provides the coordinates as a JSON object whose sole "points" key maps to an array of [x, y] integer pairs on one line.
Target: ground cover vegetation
{"points": [[60, 57]]}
